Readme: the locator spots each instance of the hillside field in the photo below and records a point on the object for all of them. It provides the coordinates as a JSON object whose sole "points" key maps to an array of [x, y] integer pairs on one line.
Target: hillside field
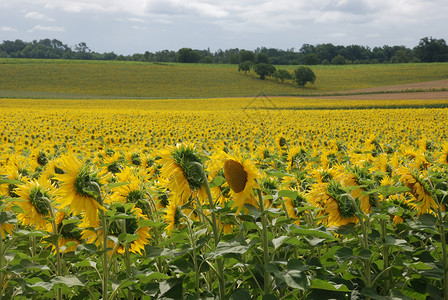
{"points": [[27, 78]]}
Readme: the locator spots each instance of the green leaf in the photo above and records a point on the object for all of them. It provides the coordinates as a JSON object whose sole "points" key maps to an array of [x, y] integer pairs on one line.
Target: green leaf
{"points": [[127, 238], [232, 247], [171, 288], [343, 254], [69, 281], [240, 294], [35, 233], [217, 181], [313, 233], [278, 241], [296, 279], [372, 294], [10, 181], [151, 224], [328, 285], [253, 210], [403, 244], [115, 185], [288, 194]]}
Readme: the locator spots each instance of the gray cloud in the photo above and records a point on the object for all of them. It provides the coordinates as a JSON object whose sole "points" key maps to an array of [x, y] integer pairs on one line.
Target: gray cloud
{"points": [[135, 25]]}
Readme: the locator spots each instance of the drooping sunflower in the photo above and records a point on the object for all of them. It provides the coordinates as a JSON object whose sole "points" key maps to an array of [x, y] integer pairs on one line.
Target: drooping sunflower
{"points": [[132, 225], [280, 142], [296, 158], [69, 234], [79, 189], [134, 190], [7, 215], [411, 179], [36, 207], [182, 174], [356, 176], [443, 154], [241, 175], [337, 208]]}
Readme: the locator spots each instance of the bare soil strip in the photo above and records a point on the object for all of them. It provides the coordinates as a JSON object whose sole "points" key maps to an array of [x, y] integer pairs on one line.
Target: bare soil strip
{"points": [[430, 90]]}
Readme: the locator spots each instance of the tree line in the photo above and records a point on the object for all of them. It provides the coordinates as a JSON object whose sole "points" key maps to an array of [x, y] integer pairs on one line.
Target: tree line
{"points": [[428, 50]]}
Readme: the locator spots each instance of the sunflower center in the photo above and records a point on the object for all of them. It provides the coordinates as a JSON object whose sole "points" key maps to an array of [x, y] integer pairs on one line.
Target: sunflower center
{"points": [[84, 183], [38, 199], [235, 175]]}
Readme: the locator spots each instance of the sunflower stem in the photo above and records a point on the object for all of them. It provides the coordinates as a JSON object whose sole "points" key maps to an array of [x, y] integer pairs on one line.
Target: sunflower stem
{"points": [[266, 260], [385, 249], [216, 236], [1, 266], [127, 259], [364, 241], [105, 233], [56, 245], [444, 250]]}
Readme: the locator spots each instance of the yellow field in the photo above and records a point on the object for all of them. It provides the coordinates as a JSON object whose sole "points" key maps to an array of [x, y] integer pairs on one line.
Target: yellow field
{"points": [[282, 176]]}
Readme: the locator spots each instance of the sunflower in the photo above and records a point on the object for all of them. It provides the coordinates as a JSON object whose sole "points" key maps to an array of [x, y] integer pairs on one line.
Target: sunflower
{"points": [[172, 214], [418, 190], [182, 175], [69, 234], [133, 227], [280, 142], [296, 157], [337, 208], [443, 159], [241, 176], [356, 176], [134, 190], [37, 204], [79, 189]]}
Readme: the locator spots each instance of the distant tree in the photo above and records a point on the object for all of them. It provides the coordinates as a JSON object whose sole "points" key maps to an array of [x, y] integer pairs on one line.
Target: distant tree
{"points": [[234, 59], [263, 70], [247, 55], [432, 50], [262, 58], [187, 55], [207, 59], [311, 59], [302, 75], [282, 75], [338, 60], [245, 66]]}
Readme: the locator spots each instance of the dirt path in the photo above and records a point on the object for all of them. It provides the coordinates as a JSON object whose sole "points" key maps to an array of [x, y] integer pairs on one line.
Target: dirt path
{"points": [[403, 91]]}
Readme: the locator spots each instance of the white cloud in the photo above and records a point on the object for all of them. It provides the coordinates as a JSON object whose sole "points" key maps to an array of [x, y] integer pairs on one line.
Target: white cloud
{"points": [[37, 16], [7, 28], [47, 28]]}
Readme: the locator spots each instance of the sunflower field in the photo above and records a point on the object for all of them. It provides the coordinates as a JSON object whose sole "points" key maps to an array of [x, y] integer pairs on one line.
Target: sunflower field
{"points": [[236, 198]]}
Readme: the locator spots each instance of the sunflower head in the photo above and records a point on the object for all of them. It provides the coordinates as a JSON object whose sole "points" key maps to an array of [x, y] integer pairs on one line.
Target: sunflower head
{"points": [[86, 183], [235, 175], [344, 203], [185, 157]]}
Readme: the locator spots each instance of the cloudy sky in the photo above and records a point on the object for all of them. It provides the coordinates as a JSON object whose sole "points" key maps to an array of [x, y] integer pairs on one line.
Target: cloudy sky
{"points": [[135, 26]]}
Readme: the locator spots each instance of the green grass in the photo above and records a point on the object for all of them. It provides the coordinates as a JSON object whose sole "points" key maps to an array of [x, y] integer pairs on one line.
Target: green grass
{"points": [[29, 78]]}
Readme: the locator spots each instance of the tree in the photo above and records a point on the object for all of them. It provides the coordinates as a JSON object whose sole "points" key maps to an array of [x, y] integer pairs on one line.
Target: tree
{"points": [[311, 59], [262, 58], [187, 55], [338, 60], [282, 75], [302, 75], [245, 66], [264, 70], [247, 55], [432, 50]]}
